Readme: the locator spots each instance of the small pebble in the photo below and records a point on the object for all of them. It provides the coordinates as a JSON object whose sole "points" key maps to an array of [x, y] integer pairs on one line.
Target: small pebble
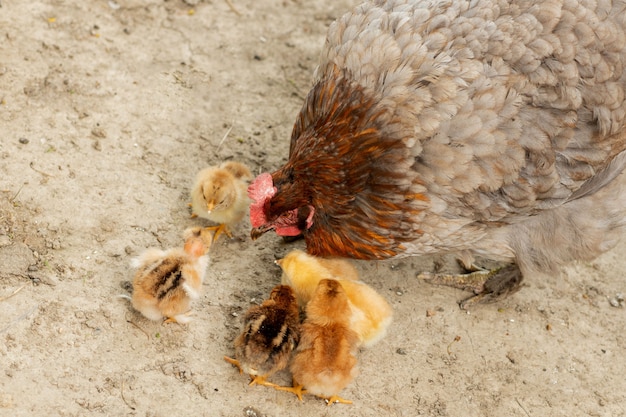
{"points": [[24, 141], [250, 412]]}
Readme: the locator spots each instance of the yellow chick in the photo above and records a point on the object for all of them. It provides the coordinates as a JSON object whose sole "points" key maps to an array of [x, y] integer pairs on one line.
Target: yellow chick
{"points": [[324, 362], [271, 332], [220, 195], [370, 313], [166, 281]]}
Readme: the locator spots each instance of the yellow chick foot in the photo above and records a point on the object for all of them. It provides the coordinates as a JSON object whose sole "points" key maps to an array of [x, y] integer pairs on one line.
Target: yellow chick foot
{"points": [[335, 399], [260, 380], [218, 230], [179, 318], [297, 390], [234, 362], [256, 379]]}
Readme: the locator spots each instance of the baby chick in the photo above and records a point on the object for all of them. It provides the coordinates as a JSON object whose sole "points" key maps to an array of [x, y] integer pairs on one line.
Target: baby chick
{"points": [[220, 195], [271, 332], [166, 281], [370, 313], [324, 361], [303, 272]]}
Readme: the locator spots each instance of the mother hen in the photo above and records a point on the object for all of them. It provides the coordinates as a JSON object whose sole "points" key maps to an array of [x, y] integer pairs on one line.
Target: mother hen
{"points": [[482, 127]]}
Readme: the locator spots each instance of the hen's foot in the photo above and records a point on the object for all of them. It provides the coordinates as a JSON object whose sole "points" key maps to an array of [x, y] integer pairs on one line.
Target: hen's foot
{"points": [[297, 389], [487, 285]]}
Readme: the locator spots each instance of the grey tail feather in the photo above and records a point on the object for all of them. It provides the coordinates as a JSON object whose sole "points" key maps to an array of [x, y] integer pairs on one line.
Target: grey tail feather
{"points": [[598, 181]]}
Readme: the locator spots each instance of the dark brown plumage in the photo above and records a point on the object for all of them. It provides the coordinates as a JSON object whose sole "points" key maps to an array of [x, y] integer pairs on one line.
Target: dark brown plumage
{"points": [[271, 332]]}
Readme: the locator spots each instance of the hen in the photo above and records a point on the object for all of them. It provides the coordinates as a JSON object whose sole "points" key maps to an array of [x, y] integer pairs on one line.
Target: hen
{"points": [[492, 128]]}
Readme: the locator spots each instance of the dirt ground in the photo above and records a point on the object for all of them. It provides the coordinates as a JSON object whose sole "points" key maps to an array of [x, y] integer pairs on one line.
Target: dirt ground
{"points": [[107, 111]]}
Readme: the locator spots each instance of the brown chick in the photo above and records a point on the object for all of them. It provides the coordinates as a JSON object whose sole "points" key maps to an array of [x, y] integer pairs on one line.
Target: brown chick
{"points": [[271, 332], [370, 314], [324, 362], [219, 194], [166, 281]]}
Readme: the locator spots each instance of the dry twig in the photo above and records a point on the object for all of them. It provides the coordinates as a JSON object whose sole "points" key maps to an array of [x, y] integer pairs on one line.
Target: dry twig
{"points": [[32, 166], [137, 326], [232, 7], [16, 194], [225, 136], [456, 339], [14, 292], [122, 392]]}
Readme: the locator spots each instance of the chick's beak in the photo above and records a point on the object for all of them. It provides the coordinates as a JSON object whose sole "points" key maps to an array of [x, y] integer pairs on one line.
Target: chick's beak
{"points": [[210, 206], [257, 232]]}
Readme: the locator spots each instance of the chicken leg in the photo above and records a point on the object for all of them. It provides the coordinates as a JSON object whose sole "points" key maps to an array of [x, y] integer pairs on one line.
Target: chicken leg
{"points": [[183, 318], [487, 285], [256, 379], [296, 389], [234, 362], [219, 229], [335, 399]]}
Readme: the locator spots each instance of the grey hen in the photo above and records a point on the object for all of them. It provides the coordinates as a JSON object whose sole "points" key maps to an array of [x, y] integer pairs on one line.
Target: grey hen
{"points": [[485, 127]]}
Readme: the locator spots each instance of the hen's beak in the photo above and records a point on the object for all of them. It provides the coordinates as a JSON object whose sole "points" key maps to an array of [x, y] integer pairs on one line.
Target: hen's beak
{"points": [[256, 232]]}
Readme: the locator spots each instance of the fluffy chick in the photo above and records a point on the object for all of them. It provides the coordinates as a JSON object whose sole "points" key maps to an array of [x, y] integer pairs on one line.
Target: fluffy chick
{"points": [[166, 281], [271, 332], [303, 272], [370, 314], [220, 195], [324, 362]]}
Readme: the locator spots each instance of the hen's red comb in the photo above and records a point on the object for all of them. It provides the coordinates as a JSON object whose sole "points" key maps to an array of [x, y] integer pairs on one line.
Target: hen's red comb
{"points": [[259, 191]]}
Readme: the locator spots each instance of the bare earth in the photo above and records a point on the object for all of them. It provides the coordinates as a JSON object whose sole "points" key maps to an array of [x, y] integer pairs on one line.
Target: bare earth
{"points": [[108, 109]]}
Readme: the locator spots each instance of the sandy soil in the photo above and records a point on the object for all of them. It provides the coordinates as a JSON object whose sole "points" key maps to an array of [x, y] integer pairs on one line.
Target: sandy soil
{"points": [[108, 109]]}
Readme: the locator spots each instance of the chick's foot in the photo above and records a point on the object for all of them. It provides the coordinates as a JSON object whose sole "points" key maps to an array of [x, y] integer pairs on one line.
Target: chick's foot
{"points": [[335, 399], [183, 318], [297, 390], [487, 285], [234, 362], [222, 228], [260, 380]]}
